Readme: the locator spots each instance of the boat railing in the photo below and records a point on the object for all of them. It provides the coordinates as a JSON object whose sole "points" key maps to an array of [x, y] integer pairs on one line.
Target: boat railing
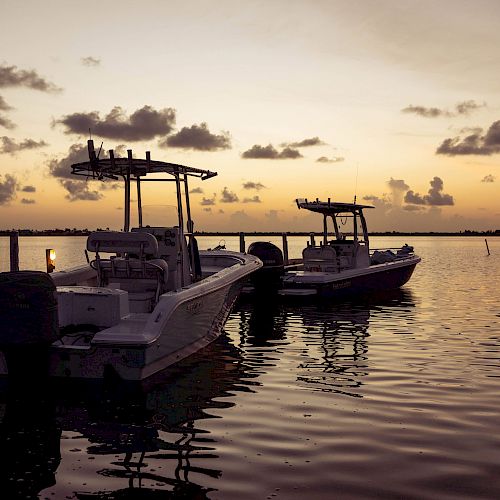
{"points": [[384, 248], [295, 262]]}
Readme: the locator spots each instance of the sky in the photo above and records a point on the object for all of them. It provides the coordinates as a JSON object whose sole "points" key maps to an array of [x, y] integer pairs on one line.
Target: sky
{"points": [[395, 102]]}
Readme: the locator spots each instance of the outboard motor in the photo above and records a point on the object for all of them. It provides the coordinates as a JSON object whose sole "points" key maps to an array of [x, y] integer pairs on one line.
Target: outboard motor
{"points": [[268, 277], [28, 321]]}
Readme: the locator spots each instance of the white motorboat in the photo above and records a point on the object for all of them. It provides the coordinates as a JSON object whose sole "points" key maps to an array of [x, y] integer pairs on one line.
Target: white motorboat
{"points": [[147, 298], [337, 267]]}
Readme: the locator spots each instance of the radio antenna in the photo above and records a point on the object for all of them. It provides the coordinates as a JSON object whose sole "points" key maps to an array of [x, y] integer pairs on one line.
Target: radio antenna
{"points": [[356, 184]]}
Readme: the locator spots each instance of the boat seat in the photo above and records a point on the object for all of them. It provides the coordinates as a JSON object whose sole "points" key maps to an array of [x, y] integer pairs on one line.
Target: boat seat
{"points": [[134, 270], [170, 248], [346, 251], [320, 259], [119, 242]]}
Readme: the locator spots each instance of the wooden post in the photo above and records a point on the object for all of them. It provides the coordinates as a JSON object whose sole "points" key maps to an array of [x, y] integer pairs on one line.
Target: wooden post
{"points": [[14, 251], [242, 242], [285, 248], [487, 247]]}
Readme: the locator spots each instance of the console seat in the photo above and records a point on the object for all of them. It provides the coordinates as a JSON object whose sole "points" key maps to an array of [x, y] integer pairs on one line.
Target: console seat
{"points": [[135, 267]]}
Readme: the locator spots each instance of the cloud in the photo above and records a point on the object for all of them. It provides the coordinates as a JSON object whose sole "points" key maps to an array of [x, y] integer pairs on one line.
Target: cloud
{"points": [[426, 112], [6, 123], [488, 178], [413, 208], [9, 146], [77, 153], [435, 197], [273, 215], [143, 124], [253, 185], [461, 108], [471, 130], [335, 159], [10, 76], [62, 168], [28, 189], [240, 219], [197, 137], [465, 107], [398, 184], [473, 144], [313, 141], [269, 152], [470, 145], [414, 198], [209, 209], [398, 187], [261, 152], [120, 151], [108, 185], [378, 202], [197, 190], [8, 188], [289, 153], [254, 199], [28, 201], [371, 197], [228, 196], [208, 201], [90, 61], [3, 105], [78, 190]]}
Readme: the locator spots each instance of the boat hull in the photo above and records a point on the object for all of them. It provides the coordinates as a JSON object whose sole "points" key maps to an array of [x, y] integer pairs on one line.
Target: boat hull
{"points": [[375, 279], [142, 344], [193, 325]]}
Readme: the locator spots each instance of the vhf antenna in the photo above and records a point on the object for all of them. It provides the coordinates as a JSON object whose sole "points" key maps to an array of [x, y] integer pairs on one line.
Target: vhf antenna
{"points": [[356, 184]]}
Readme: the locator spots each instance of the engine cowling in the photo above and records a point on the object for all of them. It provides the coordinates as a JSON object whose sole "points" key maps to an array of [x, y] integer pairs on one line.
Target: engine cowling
{"points": [[269, 275], [28, 310]]}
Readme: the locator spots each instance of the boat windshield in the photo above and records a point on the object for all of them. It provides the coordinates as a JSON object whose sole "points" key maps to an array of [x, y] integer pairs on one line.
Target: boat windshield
{"points": [[159, 216]]}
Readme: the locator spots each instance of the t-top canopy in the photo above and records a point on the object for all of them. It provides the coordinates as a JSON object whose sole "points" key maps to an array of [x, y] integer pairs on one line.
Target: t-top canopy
{"points": [[114, 168], [330, 207]]}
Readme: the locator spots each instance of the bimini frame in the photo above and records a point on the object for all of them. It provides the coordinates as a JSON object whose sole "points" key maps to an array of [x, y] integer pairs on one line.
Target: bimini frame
{"points": [[332, 209], [130, 169]]}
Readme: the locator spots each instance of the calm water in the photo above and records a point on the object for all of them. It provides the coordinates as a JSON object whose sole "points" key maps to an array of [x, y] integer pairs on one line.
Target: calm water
{"points": [[391, 398]]}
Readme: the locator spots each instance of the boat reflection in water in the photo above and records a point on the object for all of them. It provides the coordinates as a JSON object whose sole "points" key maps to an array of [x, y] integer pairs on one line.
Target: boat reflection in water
{"points": [[337, 342], [332, 337], [150, 441], [29, 438], [153, 427]]}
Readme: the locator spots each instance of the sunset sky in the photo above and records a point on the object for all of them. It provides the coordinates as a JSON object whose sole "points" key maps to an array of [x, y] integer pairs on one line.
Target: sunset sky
{"points": [[395, 101]]}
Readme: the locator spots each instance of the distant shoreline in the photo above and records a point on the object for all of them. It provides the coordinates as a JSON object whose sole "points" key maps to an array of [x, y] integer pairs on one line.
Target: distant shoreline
{"points": [[86, 232]]}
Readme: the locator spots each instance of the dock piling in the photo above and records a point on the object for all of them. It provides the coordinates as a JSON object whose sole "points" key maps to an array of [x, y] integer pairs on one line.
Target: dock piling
{"points": [[487, 247], [242, 242], [14, 251], [285, 248]]}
